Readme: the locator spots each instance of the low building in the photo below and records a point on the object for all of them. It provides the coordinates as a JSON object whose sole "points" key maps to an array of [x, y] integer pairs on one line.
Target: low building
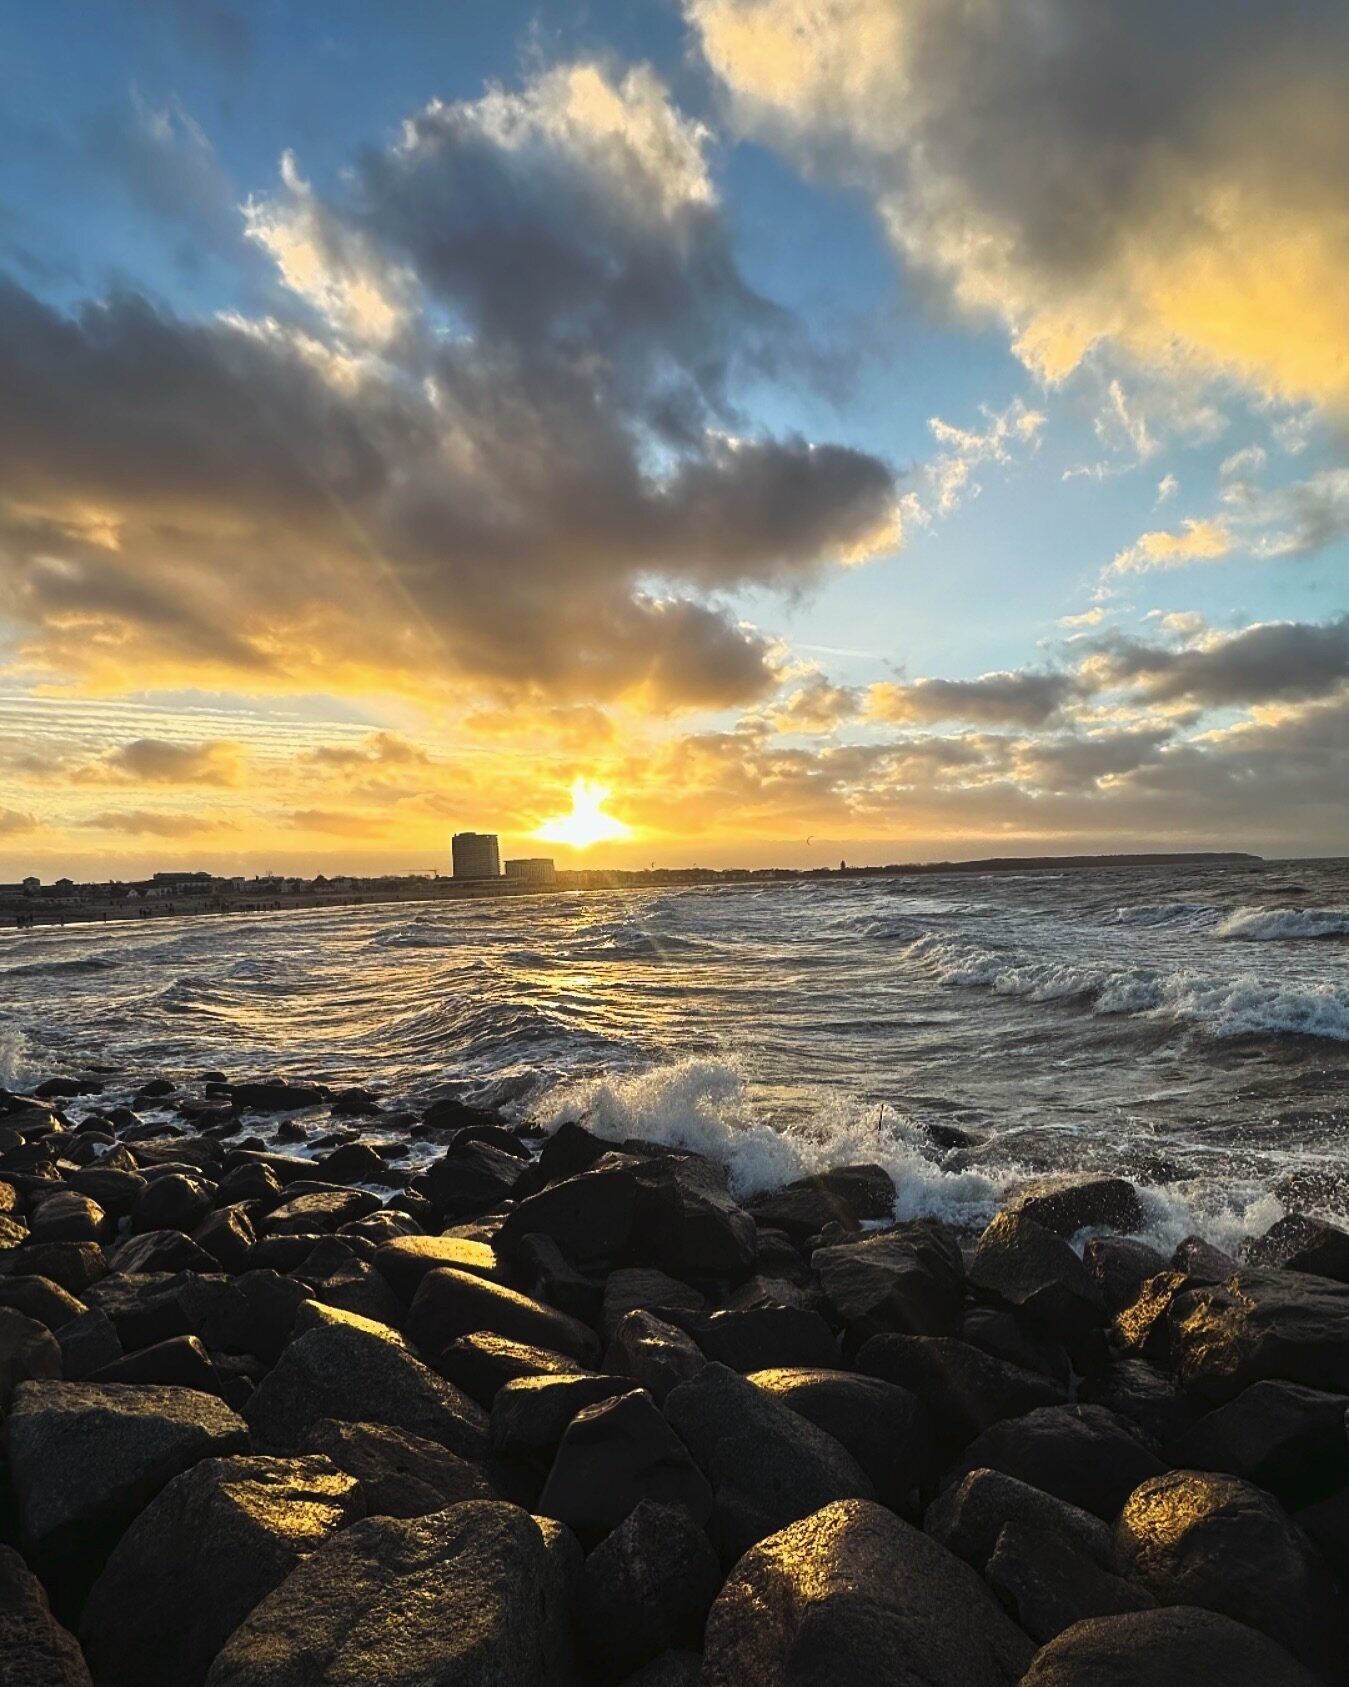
{"points": [[535, 870], [476, 855]]}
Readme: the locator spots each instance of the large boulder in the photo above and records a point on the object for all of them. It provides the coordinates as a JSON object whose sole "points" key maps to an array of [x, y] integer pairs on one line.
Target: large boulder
{"points": [[1299, 1243], [648, 1586], [908, 1279], [1021, 1264], [761, 1338], [767, 1464], [1065, 1203], [612, 1456], [341, 1366], [642, 1288], [1119, 1266], [482, 1363], [1172, 1647], [968, 1518], [405, 1261], [1142, 1392], [964, 1389], [852, 1594], [35, 1650], [449, 1304], [1196, 1538], [200, 1557], [320, 1211], [589, 1216], [1288, 1325], [476, 1596], [530, 1415], [1288, 1439], [70, 1217], [656, 1355], [28, 1350], [473, 1177], [689, 1226], [401, 1475], [1046, 1586], [1084, 1454], [844, 1195]]}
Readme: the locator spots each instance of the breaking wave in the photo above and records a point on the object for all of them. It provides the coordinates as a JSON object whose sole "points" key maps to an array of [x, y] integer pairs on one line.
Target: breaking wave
{"points": [[1278, 925]]}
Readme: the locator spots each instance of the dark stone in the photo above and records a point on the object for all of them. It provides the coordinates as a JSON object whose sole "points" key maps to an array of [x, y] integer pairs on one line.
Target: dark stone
{"points": [[198, 1559], [1143, 1328], [387, 1225], [1288, 1439], [964, 1389], [764, 1338], [845, 1195], [570, 1149], [282, 1253], [449, 1304], [642, 1288], [1084, 1454], [40, 1298], [323, 1210], [472, 1178], [339, 1366], [1194, 1538], [349, 1284], [1020, 1264], [401, 1475], [277, 1096], [1299, 1243], [497, 1135], [968, 1518], [28, 1351], [530, 1414], [406, 1260], [1202, 1262], [72, 1266], [544, 1271], [854, 1595], [1017, 1341], [181, 1362], [589, 1216], [160, 1250], [909, 1280], [656, 1355], [476, 1596], [1173, 1647], [35, 1651], [154, 1308], [60, 1089], [1326, 1524], [614, 1454], [115, 1191], [87, 1344], [176, 1202], [1066, 1204], [253, 1182], [1119, 1266], [1287, 1325], [447, 1112], [1137, 1390], [482, 1363], [689, 1226], [70, 1217], [883, 1426], [273, 1302], [648, 1586], [675, 1668], [767, 1464], [229, 1237], [1046, 1586]]}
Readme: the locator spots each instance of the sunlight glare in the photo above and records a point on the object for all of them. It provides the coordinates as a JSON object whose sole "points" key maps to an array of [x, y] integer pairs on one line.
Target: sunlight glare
{"points": [[587, 823]]}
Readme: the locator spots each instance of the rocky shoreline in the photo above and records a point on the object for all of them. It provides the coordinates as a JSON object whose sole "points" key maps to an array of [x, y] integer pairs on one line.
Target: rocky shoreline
{"points": [[556, 1411]]}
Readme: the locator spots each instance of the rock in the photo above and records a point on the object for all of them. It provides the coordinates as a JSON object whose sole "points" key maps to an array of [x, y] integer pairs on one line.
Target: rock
{"points": [[1016, 1341], [638, 1288], [198, 1559], [1046, 1586], [28, 1350], [40, 1298], [1173, 1647], [1022, 1265], [276, 1096], [689, 1226], [614, 1454], [1202, 1262], [273, 1302], [1142, 1393], [473, 1177], [1287, 1439], [845, 1195], [482, 1363], [883, 1426], [449, 1304], [387, 1225], [160, 1251], [35, 1651], [340, 1280], [181, 1362], [675, 1668], [86, 1458], [447, 1112], [1299, 1243], [1286, 1325], [964, 1389], [70, 1217], [404, 1261], [476, 1596], [1084, 1454], [345, 1367], [401, 1475], [1326, 1524], [1066, 1204], [149, 1309], [353, 1162], [589, 1216], [648, 1586], [767, 1464], [968, 1518], [909, 1279], [530, 1414], [72, 1266], [1195, 1538], [115, 1191], [1119, 1266], [323, 1210], [253, 1182], [1143, 1328], [849, 1595], [176, 1202], [657, 1356], [229, 1237], [52, 1089], [544, 1272], [87, 1344], [765, 1337]]}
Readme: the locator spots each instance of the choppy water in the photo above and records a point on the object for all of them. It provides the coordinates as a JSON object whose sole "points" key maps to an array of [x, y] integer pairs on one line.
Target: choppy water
{"points": [[1190, 1028]]}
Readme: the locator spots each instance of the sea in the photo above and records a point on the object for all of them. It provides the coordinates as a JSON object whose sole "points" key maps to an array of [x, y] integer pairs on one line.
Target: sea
{"points": [[1187, 1027]]}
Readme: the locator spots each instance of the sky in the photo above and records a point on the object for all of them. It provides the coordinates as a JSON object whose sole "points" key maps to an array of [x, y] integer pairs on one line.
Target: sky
{"points": [[877, 430]]}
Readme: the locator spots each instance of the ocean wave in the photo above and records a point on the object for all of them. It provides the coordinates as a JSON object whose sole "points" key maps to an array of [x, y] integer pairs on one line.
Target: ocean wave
{"points": [[634, 943], [17, 1068], [1163, 914], [76, 964], [418, 934], [1277, 925]]}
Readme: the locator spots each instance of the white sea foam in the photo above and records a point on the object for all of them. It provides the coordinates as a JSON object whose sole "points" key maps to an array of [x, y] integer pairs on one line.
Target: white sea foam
{"points": [[1278, 925], [16, 1065]]}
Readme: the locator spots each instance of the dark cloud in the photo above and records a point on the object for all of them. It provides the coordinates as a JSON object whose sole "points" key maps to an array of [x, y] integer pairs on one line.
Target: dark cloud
{"points": [[1275, 661], [14, 822], [1019, 698], [154, 761]]}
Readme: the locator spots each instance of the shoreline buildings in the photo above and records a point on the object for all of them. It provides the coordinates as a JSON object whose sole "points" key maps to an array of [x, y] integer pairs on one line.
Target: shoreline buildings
{"points": [[475, 855]]}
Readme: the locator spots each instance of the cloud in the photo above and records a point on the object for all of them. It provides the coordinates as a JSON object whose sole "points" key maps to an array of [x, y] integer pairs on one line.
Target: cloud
{"points": [[494, 438], [1197, 541], [377, 750], [14, 823], [1272, 661], [816, 706], [1167, 487], [342, 823], [166, 164], [949, 478], [154, 823], [154, 761], [1169, 182], [1022, 698]]}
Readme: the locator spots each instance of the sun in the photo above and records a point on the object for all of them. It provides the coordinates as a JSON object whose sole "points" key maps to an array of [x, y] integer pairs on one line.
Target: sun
{"points": [[587, 823]]}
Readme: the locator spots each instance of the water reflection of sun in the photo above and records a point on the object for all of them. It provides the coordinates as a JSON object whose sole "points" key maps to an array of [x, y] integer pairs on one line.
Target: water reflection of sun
{"points": [[587, 823]]}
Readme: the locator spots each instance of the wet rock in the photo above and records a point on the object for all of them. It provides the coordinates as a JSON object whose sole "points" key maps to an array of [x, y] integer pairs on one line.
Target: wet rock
{"points": [[321, 1211], [449, 1304], [476, 1596], [88, 1342], [72, 1266], [689, 1225], [115, 1191], [353, 1162], [1147, 1396], [1143, 1328], [964, 1389], [656, 1355], [589, 1216], [404, 1261], [180, 1362], [160, 1250], [1173, 1647], [448, 1112], [253, 1182], [845, 1195], [1288, 1439], [40, 1298], [28, 1350], [852, 1594], [1016, 1341], [70, 1217], [767, 1464], [62, 1088], [1020, 1264], [648, 1586], [401, 1475], [276, 1096], [1202, 1262], [273, 1302], [472, 1177], [1046, 1586], [350, 1284], [1299, 1243], [615, 1454], [1195, 1538], [482, 1363], [229, 1237], [339, 1366], [1119, 1266], [1083, 1454], [1287, 1325], [1066, 1204], [35, 1651], [968, 1518], [176, 1202], [883, 1426], [909, 1279], [638, 1288], [199, 1558], [545, 1273]]}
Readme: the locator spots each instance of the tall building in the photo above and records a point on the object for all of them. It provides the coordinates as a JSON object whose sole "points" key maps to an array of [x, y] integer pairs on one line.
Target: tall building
{"points": [[476, 855], [534, 870]]}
